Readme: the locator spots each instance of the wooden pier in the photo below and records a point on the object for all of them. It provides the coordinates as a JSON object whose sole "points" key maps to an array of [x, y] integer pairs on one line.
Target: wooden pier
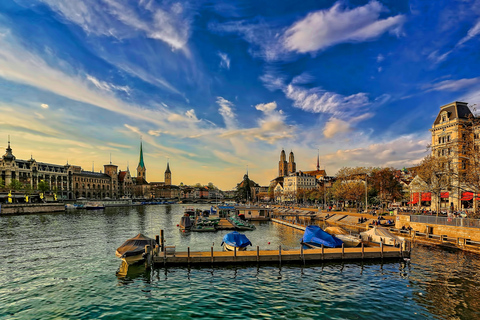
{"points": [[172, 258], [293, 225]]}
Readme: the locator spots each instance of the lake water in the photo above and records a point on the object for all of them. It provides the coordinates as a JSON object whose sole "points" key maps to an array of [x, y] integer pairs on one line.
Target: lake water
{"points": [[63, 266]]}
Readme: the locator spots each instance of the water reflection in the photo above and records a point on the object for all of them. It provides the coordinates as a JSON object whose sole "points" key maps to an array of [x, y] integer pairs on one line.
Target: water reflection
{"points": [[127, 273]]}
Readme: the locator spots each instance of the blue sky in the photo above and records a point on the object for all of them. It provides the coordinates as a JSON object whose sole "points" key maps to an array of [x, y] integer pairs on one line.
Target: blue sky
{"points": [[217, 86]]}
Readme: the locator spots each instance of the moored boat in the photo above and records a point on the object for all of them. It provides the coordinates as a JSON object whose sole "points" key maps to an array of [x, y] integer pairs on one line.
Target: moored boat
{"points": [[185, 223], [132, 251], [94, 206], [348, 239], [315, 237], [236, 240], [381, 235]]}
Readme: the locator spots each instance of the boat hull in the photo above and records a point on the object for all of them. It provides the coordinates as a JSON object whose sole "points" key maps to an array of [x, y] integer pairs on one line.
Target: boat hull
{"points": [[228, 247], [133, 259]]}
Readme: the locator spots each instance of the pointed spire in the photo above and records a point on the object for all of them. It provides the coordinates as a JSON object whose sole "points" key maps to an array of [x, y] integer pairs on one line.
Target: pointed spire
{"points": [[318, 160], [141, 164], [168, 167]]}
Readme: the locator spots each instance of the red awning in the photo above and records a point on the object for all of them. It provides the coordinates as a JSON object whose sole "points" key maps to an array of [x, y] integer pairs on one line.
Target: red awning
{"points": [[467, 196], [427, 196], [444, 195]]}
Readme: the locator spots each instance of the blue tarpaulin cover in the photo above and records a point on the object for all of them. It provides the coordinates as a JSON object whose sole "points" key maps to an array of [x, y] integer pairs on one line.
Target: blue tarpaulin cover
{"points": [[236, 239], [314, 235]]}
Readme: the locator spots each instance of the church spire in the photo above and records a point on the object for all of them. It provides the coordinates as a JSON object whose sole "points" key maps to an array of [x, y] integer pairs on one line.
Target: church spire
{"points": [[141, 164], [318, 160]]}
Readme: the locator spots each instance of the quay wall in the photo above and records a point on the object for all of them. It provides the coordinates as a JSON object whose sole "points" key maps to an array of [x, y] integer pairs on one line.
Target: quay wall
{"points": [[449, 231], [26, 208]]}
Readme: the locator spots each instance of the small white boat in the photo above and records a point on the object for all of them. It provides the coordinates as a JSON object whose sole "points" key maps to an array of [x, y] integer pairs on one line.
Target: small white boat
{"points": [[381, 235]]}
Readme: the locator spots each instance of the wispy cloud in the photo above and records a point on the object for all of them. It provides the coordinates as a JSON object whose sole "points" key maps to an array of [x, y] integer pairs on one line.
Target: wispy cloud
{"points": [[224, 60], [453, 85], [169, 22], [44, 106], [102, 85], [325, 28], [473, 32]]}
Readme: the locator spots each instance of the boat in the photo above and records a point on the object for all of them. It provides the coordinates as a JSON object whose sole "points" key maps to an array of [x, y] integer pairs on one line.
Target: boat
{"points": [[70, 206], [381, 235], [94, 206], [132, 251], [315, 237], [240, 224], [348, 239], [185, 223], [234, 240]]}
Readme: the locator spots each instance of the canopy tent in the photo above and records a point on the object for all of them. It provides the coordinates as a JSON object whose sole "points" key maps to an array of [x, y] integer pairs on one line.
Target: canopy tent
{"points": [[414, 198], [427, 196], [381, 235], [467, 196], [444, 195]]}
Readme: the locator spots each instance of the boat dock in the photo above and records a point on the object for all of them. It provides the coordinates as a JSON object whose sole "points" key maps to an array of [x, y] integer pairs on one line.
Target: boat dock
{"points": [[172, 258], [285, 223]]}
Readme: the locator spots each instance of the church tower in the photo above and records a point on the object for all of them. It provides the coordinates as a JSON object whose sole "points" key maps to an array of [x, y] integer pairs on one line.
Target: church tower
{"points": [[292, 168], [141, 170], [168, 176], [282, 165]]}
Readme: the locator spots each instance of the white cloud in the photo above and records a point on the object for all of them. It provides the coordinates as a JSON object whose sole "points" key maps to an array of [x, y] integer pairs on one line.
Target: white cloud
{"points": [[473, 32], [226, 110], [380, 58], [454, 85], [224, 60], [169, 22], [335, 126], [317, 100], [102, 85], [325, 28], [44, 106], [266, 107], [189, 116], [399, 152]]}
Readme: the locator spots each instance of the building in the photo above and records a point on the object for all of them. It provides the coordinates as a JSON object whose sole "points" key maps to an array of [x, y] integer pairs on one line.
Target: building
{"points": [[168, 176], [296, 183], [288, 185], [67, 181]]}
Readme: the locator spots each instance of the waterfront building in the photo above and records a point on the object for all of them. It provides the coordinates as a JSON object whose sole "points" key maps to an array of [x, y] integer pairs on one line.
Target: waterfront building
{"points": [[297, 182]]}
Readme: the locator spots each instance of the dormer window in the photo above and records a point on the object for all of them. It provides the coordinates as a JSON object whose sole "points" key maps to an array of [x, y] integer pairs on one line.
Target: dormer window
{"points": [[444, 117]]}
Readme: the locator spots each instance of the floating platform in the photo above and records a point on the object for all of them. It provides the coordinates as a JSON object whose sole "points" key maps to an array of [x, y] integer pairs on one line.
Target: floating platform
{"points": [[172, 258]]}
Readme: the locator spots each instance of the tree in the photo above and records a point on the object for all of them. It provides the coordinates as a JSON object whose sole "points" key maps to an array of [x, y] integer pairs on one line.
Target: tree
{"points": [[14, 185], [2, 184], [43, 186], [388, 187]]}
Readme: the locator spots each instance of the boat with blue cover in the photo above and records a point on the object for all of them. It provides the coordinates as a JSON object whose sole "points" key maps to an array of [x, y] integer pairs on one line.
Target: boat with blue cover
{"points": [[234, 240], [314, 237]]}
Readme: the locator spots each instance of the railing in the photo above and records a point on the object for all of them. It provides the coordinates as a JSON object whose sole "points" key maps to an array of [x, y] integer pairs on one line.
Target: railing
{"points": [[446, 221]]}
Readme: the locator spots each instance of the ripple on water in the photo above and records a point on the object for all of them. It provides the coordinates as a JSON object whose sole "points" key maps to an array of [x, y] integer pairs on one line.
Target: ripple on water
{"points": [[63, 266]]}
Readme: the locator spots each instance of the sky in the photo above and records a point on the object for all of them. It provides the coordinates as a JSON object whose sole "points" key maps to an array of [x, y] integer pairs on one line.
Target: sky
{"points": [[219, 87]]}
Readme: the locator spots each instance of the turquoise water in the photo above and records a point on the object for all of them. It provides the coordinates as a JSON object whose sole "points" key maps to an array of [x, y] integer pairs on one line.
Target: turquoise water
{"points": [[63, 266]]}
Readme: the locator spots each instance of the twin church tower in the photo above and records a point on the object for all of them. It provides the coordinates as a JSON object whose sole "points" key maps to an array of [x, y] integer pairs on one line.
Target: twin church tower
{"points": [[142, 171], [284, 168]]}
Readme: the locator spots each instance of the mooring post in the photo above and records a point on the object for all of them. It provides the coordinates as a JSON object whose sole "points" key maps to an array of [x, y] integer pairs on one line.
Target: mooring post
{"points": [[188, 253], [323, 253], [363, 251], [280, 254], [211, 253], [343, 251], [157, 239], [401, 249], [301, 254], [162, 239], [147, 256], [258, 254], [381, 249]]}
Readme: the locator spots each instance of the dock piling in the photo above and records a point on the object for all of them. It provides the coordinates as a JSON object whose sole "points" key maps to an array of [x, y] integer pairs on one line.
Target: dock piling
{"points": [[258, 254], [323, 252], [280, 254], [211, 253], [381, 249], [343, 251], [188, 254], [162, 239], [363, 251]]}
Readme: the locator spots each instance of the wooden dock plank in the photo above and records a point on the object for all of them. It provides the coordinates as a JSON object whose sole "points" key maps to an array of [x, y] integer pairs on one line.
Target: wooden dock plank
{"points": [[222, 257]]}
